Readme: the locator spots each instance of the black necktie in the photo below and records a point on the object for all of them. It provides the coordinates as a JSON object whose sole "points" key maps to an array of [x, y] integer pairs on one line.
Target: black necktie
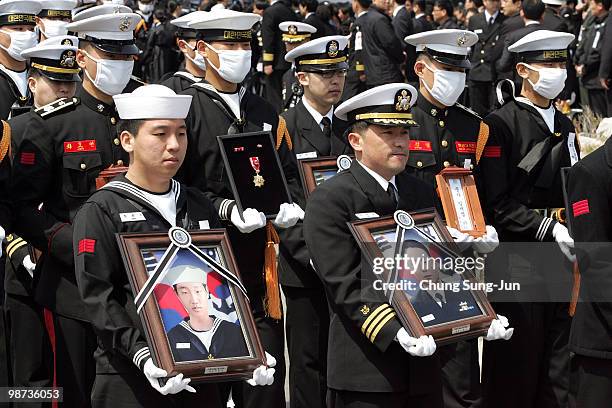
{"points": [[491, 20], [439, 298], [326, 126], [392, 192]]}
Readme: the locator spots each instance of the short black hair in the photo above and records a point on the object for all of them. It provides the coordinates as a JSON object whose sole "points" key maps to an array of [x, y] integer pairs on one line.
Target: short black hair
{"points": [[605, 3], [400, 2], [445, 5], [358, 127], [311, 5], [34, 73], [365, 3], [533, 9], [129, 125], [420, 3]]}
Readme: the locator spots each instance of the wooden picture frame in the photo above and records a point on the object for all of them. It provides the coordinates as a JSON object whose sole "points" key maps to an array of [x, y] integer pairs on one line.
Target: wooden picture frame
{"points": [[108, 174], [466, 315], [314, 171], [459, 196], [161, 316], [260, 183]]}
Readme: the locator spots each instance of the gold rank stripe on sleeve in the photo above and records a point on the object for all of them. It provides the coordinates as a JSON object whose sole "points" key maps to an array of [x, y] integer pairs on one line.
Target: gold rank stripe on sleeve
{"points": [[376, 321], [268, 57], [14, 246]]}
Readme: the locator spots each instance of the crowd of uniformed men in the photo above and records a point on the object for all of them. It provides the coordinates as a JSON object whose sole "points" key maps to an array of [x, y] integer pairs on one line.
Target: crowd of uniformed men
{"points": [[406, 87]]}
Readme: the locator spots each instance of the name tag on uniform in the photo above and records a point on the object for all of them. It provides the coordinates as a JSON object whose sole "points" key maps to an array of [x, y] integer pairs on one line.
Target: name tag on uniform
{"points": [[596, 40], [428, 318], [183, 345], [366, 215], [204, 224], [478, 31], [267, 127], [571, 146], [132, 216], [307, 155]]}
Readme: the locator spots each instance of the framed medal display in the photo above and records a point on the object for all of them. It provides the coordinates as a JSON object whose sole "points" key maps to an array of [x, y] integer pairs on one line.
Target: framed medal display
{"points": [[255, 173], [460, 201], [415, 264], [192, 304], [108, 174], [315, 171]]}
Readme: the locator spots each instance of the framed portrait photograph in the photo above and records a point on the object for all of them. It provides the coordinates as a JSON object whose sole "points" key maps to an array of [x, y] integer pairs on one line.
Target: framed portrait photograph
{"points": [[254, 170], [192, 304], [314, 171], [460, 201], [432, 288], [108, 174]]}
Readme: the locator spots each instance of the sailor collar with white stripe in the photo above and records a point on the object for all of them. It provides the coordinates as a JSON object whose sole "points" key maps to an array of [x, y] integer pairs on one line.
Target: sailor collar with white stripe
{"points": [[221, 96]]}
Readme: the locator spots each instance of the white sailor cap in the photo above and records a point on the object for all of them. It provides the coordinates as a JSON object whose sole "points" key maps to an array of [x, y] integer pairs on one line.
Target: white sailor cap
{"points": [[448, 47], [224, 25], [184, 274], [322, 54], [294, 31], [182, 22], [57, 8], [101, 10], [113, 33], [152, 102], [543, 46], [55, 58], [554, 2], [385, 105], [18, 12]]}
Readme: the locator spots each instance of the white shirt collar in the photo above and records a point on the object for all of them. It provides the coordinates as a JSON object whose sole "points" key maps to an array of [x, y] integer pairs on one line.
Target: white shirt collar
{"points": [[315, 114], [308, 15], [380, 179], [362, 13], [548, 114], [397, 9], [419, 15], [488, 16], [531, 22]]}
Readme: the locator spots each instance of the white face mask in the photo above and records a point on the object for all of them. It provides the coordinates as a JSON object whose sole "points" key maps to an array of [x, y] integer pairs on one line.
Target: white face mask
{"points": [[20, 40], [112, 76], [198, 60], [234, 64], [551, 81], [447, 86], [146, 8], [54, 28]]}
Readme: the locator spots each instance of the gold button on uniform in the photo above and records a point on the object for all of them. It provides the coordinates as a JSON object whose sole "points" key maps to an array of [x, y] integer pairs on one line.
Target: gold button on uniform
{"points": [[116, 141], [113, 121], [419, 164], [446, 164], [444, 143], [83, 166], [119, 162], [441, 123]]}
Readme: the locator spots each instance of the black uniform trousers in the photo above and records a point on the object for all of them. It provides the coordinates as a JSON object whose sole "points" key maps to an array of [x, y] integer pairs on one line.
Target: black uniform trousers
{"points": [[273, 91], [482, 96], [600, 101], [31, 357], [591, 381], [75, 343], [132, 390], [353, 399], [513, 373], [272, 336], [307, 326], [460, 374]]}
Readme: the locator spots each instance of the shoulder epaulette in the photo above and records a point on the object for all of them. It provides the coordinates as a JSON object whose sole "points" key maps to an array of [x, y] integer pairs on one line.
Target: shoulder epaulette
{"points": [[468, 110], [57, 106], [5, 140]]}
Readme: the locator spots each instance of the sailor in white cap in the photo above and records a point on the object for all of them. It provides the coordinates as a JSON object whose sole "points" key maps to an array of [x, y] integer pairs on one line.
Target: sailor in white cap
{"points": [[552, 19], [102, 9], [194, 64], [447, 136], [529, 143], [54, 17], [294, 34], [221, 106], [17, 21], [68, 143], [315, 133], [152, 130]]}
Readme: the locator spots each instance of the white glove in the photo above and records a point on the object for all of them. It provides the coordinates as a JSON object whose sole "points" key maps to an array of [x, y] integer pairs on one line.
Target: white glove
{"points": [[264, 375], [565, 242], [463, 240], [488, 242], [288, 215], [499, 329], [174, 385], [29, 265], [253, 219], [422, 347]]}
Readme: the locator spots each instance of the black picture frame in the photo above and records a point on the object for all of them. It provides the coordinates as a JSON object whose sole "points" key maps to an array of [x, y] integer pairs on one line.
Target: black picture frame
{"points": [[235, 151]]}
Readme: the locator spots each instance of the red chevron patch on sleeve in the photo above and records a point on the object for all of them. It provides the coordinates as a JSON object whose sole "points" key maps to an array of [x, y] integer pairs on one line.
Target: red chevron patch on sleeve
{"points": [[27, 158], [580, 207], [492, 151], [87, 245]]}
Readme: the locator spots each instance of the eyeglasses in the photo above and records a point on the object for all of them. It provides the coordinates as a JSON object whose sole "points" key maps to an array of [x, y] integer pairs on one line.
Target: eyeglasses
{"points": [[330, 74]]}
